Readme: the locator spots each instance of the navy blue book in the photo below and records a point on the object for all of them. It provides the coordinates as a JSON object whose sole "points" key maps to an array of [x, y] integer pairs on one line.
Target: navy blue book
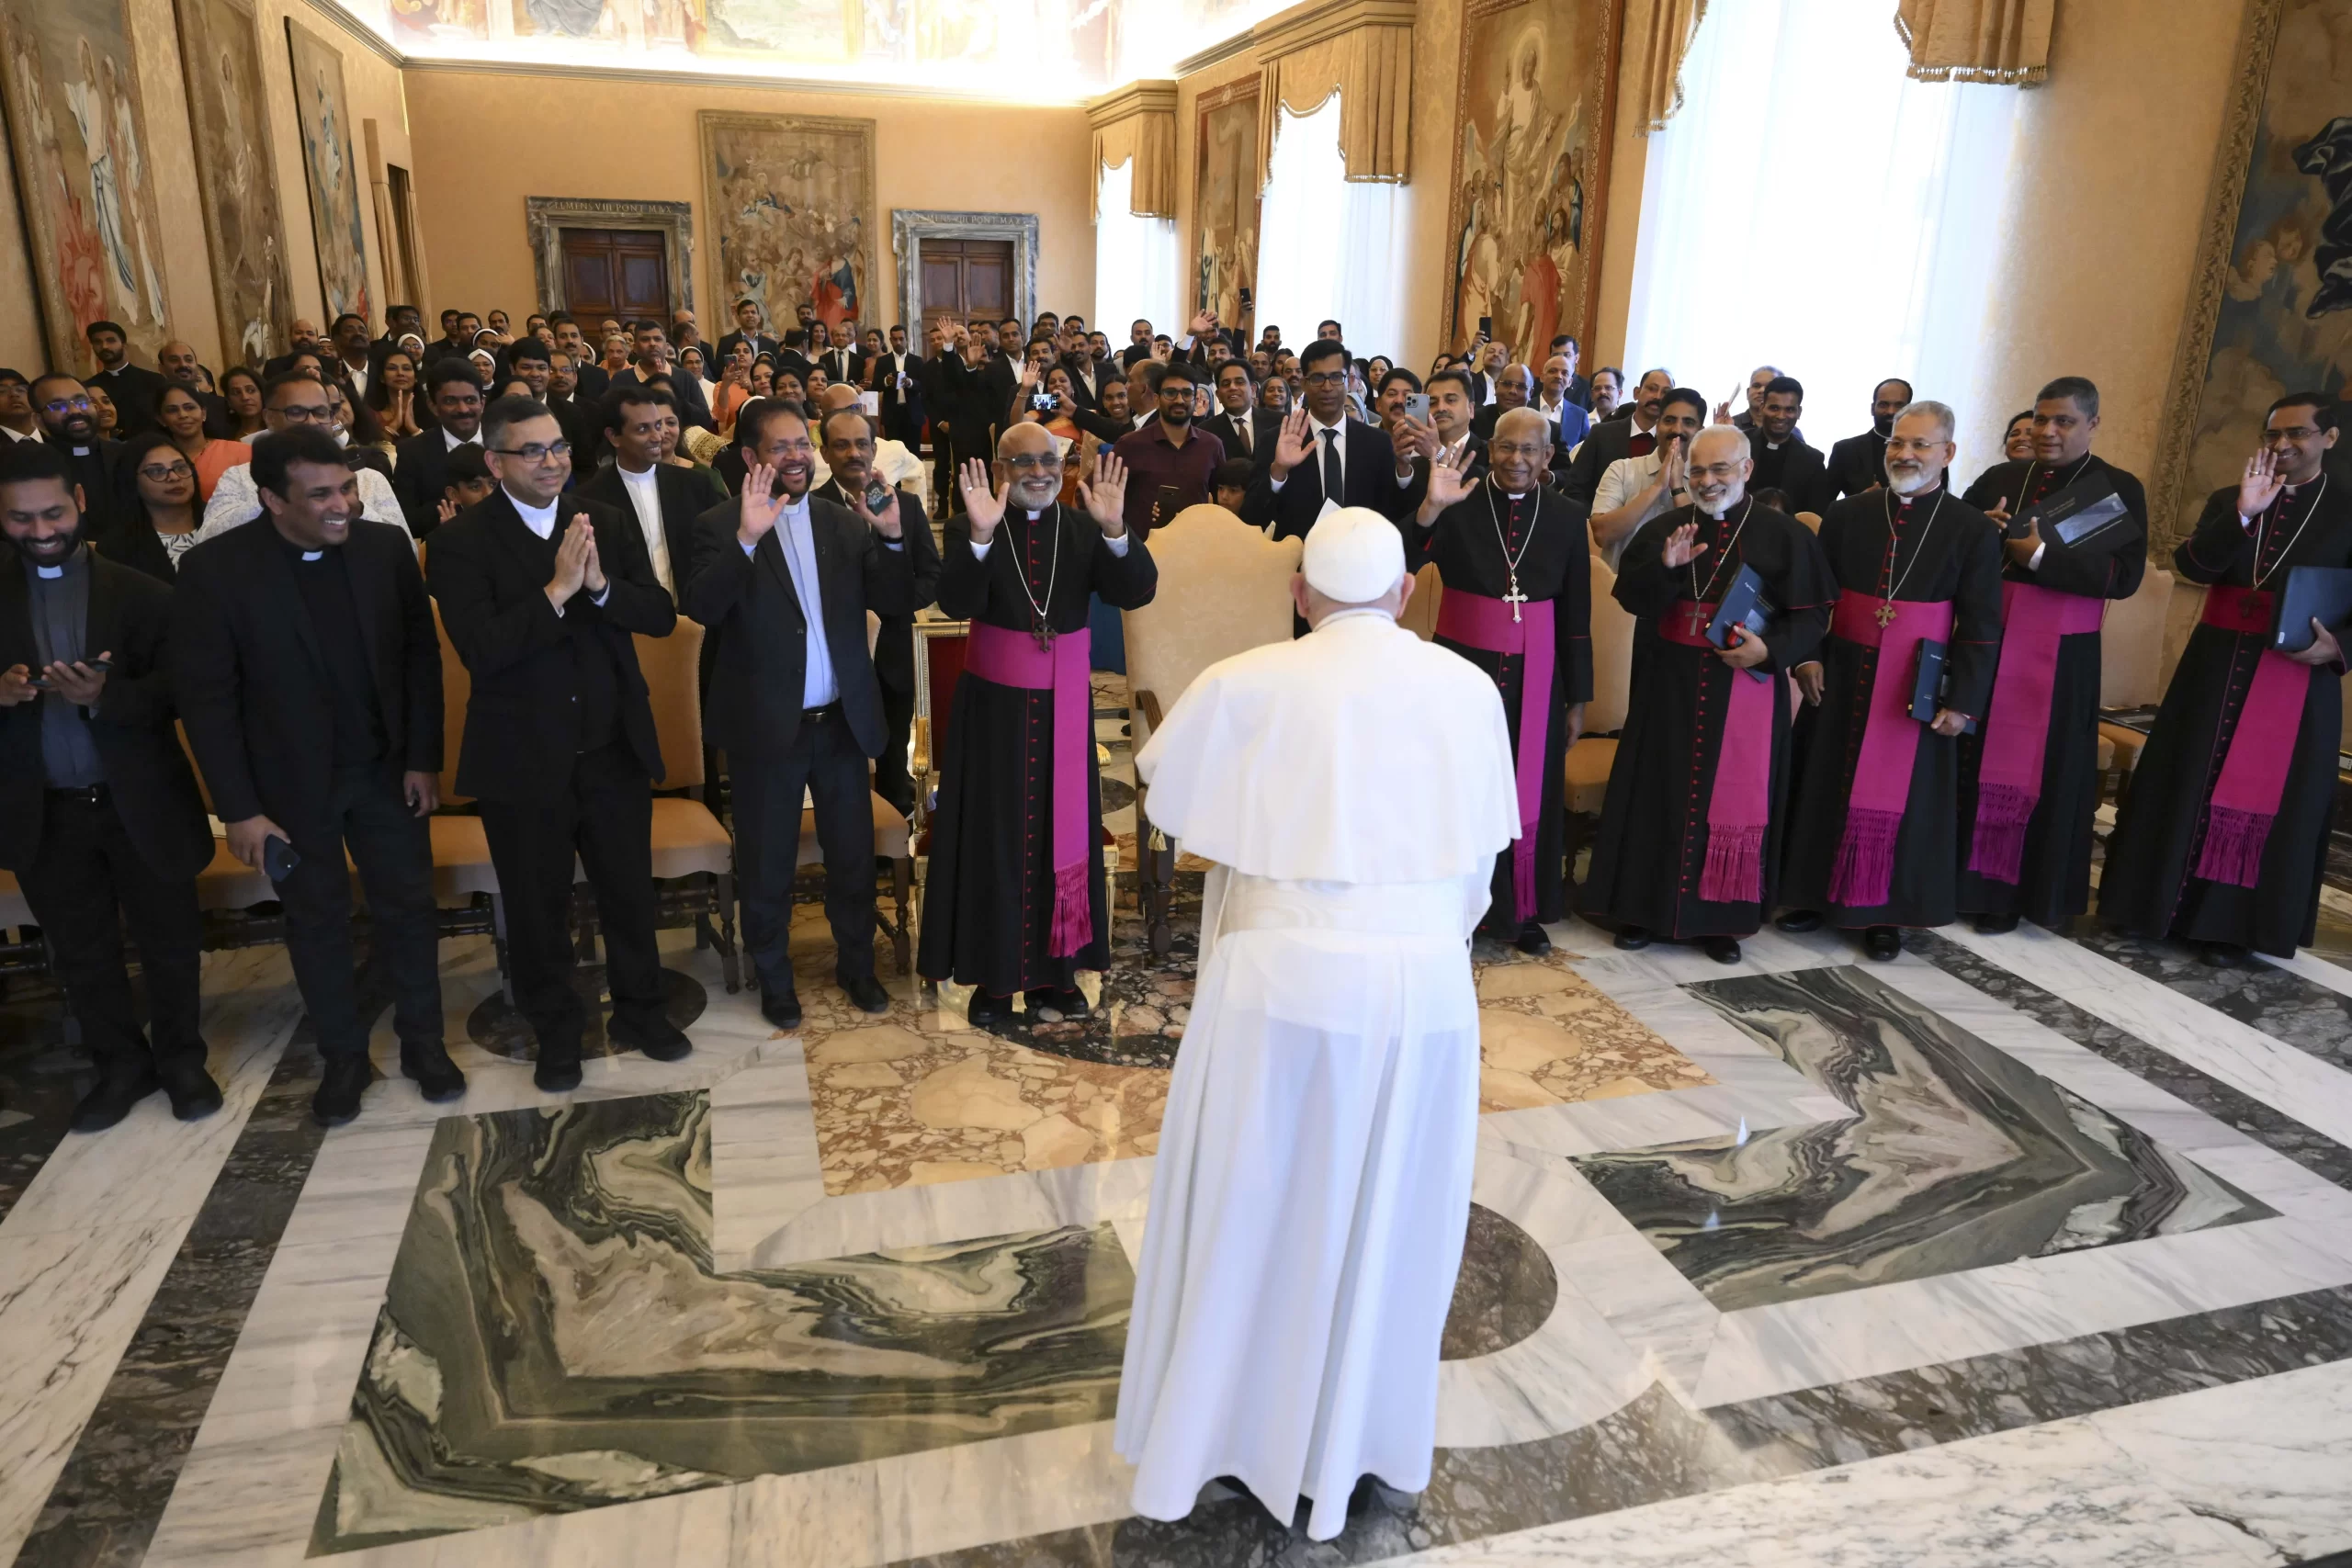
{"points": [[2079, 513], [2322, 594], [1746, 605], [1934, 683]]}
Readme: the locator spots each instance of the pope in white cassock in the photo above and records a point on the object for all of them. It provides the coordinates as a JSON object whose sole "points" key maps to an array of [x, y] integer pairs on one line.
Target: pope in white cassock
{"points": [[1313, 1187]]}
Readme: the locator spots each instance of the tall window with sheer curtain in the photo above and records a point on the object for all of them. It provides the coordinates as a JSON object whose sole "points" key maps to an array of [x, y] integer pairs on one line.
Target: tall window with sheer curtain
{"points": [[1812, 207], [1135, 261], [1329, 246]]}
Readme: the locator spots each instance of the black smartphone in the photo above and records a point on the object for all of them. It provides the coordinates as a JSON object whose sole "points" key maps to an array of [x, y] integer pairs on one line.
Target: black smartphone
{"points": [[1044, 403], [877, 496], [96, 667], [278, 858], [1487, 328], [1167, 504], [1245, 300]]}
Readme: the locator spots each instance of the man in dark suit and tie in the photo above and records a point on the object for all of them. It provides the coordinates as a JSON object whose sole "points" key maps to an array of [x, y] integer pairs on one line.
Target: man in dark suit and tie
{"points": [[99, 815], [421, 463], [540, 592], [1633, 437], [641, 425], [784, 579], [1858, 462], [843, 363], [1327, 457], [847, 438], [751, 329], [309, 677], [897, 376], [1244, 429]]}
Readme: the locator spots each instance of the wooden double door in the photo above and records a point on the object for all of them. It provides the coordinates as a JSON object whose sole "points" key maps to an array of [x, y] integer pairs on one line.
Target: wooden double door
{"points": [[620, 274], [964, 278]]}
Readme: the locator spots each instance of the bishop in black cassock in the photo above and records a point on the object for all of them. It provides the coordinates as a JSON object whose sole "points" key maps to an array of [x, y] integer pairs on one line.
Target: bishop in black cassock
{"points": [[1874, 836], [1515, 557], [1013, 904], [2024, 847], [2223, 836], [1690, 828]]}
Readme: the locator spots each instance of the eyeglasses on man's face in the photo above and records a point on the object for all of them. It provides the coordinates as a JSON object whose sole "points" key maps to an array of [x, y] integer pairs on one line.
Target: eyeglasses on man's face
{"points": [[536, 451], [79, 404], [1034, 463], [1328, 378]]}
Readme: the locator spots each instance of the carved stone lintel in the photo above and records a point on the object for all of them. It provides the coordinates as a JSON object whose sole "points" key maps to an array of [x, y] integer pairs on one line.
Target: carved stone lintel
{"points": [[545, 218], [910, 226]]}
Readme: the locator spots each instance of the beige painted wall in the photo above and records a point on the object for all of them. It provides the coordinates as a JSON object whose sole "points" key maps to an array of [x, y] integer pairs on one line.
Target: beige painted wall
{"points": [[486, 141], [373, 87]]}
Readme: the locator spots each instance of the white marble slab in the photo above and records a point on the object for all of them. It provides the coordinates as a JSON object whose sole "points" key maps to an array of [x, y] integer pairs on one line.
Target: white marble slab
{"points": [[2308, 965]]}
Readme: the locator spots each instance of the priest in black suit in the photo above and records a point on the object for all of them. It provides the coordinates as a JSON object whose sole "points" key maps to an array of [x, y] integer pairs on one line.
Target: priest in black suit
{"points": [[1245, 430], [1783, 459], [99, 815], [1326, 454], [309, 677], [69, 422], [1858, 462], [847, 438], [541, 593], [784, 581], [421, 463]]}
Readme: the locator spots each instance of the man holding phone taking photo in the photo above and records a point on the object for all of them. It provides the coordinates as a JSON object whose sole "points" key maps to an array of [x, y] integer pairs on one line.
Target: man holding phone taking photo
{"points": [[1169, 464]]}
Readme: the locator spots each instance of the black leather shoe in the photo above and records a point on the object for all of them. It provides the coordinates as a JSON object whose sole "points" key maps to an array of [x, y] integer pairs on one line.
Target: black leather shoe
{"points": [[866, 993], [986, 1010], [194, 1094], [1059, 1005], [1633, 939], [2224, 955], [111, 1099], [1722, 949], [1533, 939], [346, 1079], [1799, 920], [781, 1009], [1995, 925], [1883, 944], [557, 1071], [655, 1037], [428, 1066]]}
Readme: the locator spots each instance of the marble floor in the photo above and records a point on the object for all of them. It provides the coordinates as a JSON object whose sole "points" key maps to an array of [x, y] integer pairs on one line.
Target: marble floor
{"points": [[2029, 1249]]}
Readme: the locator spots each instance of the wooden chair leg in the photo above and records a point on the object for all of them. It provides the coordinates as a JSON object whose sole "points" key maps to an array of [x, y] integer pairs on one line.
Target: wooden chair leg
{"points": [[1155, 885], [902, 885], [729, 963]]}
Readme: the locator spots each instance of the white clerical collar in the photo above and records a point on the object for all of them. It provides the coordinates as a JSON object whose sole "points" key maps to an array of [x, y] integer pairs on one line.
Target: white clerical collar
{"points": [[539, 520], [49, 571], [81, 451], [314, 555], [1515, 500], [1771, 446]]}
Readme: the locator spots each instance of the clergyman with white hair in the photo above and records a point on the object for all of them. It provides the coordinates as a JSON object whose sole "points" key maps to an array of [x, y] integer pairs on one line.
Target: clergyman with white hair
{"points": [[1352, 789], [1688, 849]]}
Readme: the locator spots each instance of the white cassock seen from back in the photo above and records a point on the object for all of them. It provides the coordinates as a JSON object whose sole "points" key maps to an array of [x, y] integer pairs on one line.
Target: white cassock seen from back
{"points": [[1312, 1180]]}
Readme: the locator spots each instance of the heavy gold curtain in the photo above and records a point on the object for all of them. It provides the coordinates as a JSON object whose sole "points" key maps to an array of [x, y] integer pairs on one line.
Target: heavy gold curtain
{"points": [[1361, 50], [1672, 25], [1977, 41], [1137, 121]]}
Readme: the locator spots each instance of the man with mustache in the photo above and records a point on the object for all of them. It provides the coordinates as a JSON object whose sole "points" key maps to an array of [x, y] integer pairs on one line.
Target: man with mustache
{"points": [[69, 422], [1016, 897], [2029, 777], [1515, 563], [1688, 849], [1169, 452], [99, 815], [1874, 836], [1858, 462], [1631, 433]]}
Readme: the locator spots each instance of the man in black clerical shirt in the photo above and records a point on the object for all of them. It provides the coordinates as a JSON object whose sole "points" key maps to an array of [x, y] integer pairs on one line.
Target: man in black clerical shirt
{"points": [[99, 815], [309, 677], [542, 593], [1858, 462], [133, 387], [1783, 461], [69, 422]]}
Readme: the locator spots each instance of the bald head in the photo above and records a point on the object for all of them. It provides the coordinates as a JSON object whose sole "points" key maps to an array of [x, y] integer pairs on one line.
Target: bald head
{"points": [[1026, 465], [1719, 468], [839, 397], [1514, 387], [178, 361]]}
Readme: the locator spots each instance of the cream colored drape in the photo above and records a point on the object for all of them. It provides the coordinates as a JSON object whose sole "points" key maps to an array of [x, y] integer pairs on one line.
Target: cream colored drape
{"points": [[1977, 41], [1137, 121], [1361, 50], [1672, 25]]}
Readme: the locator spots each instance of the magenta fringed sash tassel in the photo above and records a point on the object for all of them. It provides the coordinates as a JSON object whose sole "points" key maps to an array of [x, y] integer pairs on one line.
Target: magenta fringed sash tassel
{"points": [[1998, 849], [2253, 772], [1865, 868], [1014, 658]]}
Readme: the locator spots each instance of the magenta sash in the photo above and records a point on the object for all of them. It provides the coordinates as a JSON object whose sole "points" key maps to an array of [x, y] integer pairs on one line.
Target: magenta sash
{"points": [[2261, 751], [1739, 807], [1014, 658], [1865, 868], [1475, 620], [2017, 731]]}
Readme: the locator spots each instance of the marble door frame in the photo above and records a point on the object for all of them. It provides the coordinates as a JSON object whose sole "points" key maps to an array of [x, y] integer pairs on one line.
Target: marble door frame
{"points": [[910, 226]]}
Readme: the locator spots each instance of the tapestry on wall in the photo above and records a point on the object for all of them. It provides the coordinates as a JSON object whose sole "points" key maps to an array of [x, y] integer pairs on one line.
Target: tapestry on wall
{"points": [[792, 199], [80, 135], [2272, 312], [1224, 204], [220, 56], [1538, 88], [331, 168]]}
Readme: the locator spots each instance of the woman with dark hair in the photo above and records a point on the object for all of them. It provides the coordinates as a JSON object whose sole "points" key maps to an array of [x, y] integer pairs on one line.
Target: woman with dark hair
{"points": [[102, 408], [155, 512], [392, 396], [361, 429], [240, 389], [1274, 395], [181, 420], [2016, 442]]}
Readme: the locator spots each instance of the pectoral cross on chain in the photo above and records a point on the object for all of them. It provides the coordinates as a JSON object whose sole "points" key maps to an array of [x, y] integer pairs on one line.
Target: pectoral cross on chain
{"points": [[1513, 597], [1698, 619], [2249, 604], [1043, 634], [1884, 614]]}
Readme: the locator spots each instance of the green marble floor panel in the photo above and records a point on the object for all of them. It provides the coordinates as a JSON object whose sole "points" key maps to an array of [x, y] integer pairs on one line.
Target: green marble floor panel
{"points": [[553, 1337]]}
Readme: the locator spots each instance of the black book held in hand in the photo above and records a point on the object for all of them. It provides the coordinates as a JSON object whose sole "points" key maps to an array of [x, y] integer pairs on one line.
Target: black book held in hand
{"points": [[1934, 680], [2322, 594], [2076, 515], [1745, 605]]}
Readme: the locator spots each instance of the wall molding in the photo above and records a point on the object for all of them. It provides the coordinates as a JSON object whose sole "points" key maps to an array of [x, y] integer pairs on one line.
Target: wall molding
{"points": [[546, 217], [616, 73], [910, 226]]}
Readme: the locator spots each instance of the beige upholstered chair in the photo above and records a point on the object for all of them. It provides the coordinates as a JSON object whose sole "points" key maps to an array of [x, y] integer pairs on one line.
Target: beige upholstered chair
{"points": [[1428, 592], [1223, 589], [227, 883], [2131, 666], [1590, 760], [689, 842]]}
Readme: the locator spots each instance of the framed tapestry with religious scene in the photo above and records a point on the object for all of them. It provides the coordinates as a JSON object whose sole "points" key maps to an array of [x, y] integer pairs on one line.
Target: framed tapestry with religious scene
{"points": [[80, 134], [790, 200], [330, 165], [1224, 199], [1538, 94], [228, 111]]}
